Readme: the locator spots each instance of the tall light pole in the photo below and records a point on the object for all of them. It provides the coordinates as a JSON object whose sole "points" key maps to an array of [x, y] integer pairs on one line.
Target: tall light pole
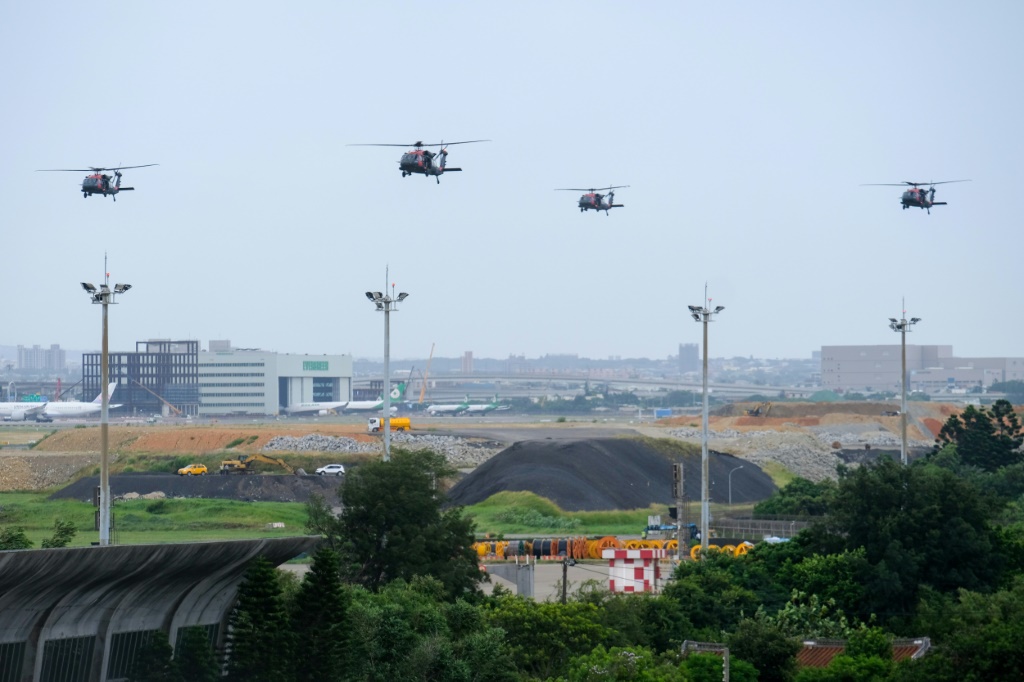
{"points": [[104, 296], [702, 314], [730, 483], [386, 303], [903, 326]]}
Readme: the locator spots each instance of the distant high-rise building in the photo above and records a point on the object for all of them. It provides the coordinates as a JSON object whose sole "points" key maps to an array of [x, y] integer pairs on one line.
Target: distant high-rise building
{"points": [[467, 362], [220, 346], [50, 360], [689, 358]]}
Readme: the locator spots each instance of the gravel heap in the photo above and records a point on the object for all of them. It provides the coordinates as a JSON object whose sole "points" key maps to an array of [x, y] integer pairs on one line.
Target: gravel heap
{"points": [[36, 471], [316, 442], [459, 452], [802, 453]]}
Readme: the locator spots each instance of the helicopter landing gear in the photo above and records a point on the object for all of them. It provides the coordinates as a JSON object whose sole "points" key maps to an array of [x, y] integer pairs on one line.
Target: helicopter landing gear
{"points": [[404, 174], [85, 195]]}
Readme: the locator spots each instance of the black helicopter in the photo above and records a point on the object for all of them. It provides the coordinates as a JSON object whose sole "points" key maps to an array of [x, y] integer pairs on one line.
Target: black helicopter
{"points": [[99, 182], [916, 195], [420, 160], [595, 201]]}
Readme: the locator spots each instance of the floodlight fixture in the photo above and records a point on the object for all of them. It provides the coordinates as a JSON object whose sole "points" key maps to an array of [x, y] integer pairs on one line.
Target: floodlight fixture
{"points": [[90, 288], [719, 309], [121, 288], [402, 296], [696, 317]]}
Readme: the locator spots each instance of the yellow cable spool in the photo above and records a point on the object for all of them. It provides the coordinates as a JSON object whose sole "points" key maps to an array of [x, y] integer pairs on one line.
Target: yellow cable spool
{"points": [[609, 542], [728, 549], [481, 548], [743, 548], [695, 552], [672, 545], [634, 544], [593, 549], [656, 544], [499, 549]]}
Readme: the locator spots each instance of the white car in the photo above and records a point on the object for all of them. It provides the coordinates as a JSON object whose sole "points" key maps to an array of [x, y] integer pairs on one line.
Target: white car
{"points": [[331, 470]]}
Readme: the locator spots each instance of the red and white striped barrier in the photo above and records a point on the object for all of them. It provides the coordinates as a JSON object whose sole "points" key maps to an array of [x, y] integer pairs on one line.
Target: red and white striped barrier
{"points": [[633, 570]]}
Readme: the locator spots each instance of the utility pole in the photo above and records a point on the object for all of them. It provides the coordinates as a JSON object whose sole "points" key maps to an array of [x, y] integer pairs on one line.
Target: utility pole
{"points": [[902, 326]]}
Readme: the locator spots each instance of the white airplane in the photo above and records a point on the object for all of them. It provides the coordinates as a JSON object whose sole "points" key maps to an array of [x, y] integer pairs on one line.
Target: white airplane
{"points": [[434, 410], [479, 409], [373, 405], [19, 412], [71, 409], [345, 405], [318, 408]]}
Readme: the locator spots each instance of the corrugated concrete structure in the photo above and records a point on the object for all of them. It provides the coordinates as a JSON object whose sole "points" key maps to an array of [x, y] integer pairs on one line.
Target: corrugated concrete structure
{"points": [[78, 614]]}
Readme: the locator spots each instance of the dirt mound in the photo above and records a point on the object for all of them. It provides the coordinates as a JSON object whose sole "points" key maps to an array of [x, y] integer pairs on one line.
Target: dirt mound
{"points": [[606, 474], [188, 439], [248, 488]]}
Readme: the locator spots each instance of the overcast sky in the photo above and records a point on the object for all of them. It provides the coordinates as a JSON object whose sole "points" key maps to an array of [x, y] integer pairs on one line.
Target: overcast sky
{"points": [[744, 131]]}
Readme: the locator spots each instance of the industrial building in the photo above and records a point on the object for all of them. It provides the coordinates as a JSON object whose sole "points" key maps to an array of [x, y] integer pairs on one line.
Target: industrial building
{"points": [[176, 378], [931, 369]]}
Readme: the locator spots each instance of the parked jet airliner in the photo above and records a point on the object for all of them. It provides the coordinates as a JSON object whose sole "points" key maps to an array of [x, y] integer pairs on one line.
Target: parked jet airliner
{"points": [[72, 409], [346, 405]]}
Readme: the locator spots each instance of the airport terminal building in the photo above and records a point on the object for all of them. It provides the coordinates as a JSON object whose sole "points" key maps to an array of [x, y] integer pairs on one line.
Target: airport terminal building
{"points": [[932, 369], [176, 378]]}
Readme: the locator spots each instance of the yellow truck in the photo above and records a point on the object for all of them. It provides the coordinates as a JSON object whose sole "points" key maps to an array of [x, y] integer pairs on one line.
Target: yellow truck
{"points": [[397, 424]]}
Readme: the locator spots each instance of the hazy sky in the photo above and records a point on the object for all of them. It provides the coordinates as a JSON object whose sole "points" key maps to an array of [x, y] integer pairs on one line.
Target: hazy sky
{"points": [[744, 130]]}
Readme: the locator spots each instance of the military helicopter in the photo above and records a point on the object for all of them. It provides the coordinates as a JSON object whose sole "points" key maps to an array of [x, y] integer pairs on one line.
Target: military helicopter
{"points": [[593, 200], [99, 182], [420, 160], [916, 195]]}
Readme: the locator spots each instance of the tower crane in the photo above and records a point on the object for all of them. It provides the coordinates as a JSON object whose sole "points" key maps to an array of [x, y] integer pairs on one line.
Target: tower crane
{"points": [[423, 388]]}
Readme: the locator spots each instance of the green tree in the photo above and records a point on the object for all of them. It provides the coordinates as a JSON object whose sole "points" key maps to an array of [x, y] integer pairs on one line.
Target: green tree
{"points": [[625, 664], [259, 641], [153, 661], [772, 651], [1014, 390], [394, 525], [708, 668], [845, 668], [194, 657], [544, 636], [14, 538], [986, 439], [406, 631], [319, 614], [63, 533], [799, 497], [918, 525], [977, 635], [711, 595]]}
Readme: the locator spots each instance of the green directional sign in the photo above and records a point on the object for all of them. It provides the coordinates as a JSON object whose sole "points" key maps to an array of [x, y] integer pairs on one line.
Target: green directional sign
{"points": [[314, 365]]}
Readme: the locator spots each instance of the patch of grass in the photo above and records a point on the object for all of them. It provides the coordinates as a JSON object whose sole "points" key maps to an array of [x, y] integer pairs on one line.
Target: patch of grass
{"points": [[780, 475], [669, 447], [146, 521], [523, 513], [237, 441]]}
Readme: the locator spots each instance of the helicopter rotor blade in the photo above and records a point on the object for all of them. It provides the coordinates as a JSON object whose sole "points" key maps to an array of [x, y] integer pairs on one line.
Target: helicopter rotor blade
{"points": [[946, 182], [93, 169], [588, 189], [416, 144]]}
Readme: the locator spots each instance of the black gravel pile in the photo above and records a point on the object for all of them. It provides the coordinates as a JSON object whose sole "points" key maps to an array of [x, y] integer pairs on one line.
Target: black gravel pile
{"points": [[605, 474]]}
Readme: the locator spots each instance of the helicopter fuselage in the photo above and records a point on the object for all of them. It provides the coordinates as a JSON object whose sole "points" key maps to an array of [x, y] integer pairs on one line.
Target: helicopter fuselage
{"points": [[918, 197], [421, 161], [597, 202], [100, 183]]}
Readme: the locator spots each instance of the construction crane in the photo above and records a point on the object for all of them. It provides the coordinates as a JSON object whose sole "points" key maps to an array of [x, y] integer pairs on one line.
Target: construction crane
{"points": [[172, 408], [423, 388]]}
